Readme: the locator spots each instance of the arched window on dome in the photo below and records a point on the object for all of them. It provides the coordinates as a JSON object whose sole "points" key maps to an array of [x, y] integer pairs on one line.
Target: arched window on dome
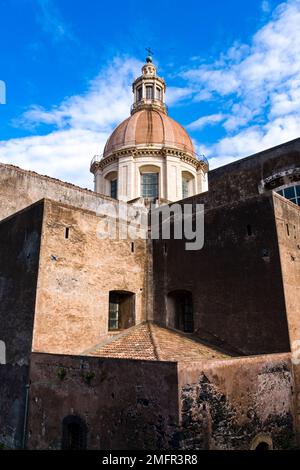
{"points": [[114, 188], [111, 184], [149, 181], [187, 184], [150, 185], [158, 93]]}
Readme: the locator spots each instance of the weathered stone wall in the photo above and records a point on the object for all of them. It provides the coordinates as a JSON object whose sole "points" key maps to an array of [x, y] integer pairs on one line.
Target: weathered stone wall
{"points": [[288, 229], [244, 178], [226, 405], [19, 255], [20, 188], [126, 405], [75, 277], [134, 404], [235, 280]]}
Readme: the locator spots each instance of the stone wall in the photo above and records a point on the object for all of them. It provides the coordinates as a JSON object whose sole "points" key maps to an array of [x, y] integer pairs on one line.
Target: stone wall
{"points": [[75, 277], [235, 280], [251, 176], [235, 403], [20, 188], [245, 178], [19, 256], [288, 230], [125, 405]]}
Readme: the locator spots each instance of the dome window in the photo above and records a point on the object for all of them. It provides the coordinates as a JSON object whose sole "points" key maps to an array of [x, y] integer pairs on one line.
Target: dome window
{"points": [[150, 185], [139, 93], [158, 93], [111, 184], [114, 189], [149, 92], [185, 188], [187, 184]]}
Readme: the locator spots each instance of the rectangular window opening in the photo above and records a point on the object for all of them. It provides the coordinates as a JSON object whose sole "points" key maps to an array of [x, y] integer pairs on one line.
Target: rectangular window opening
{"points": [[149, 92], [150, 185], [139, 93], [67, 232], [185, 188], [114, 189], [121, 310]]}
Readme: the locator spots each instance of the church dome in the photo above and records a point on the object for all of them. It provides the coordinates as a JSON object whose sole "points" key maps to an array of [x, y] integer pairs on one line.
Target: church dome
{"points": [[149, 155], [149, 127]]}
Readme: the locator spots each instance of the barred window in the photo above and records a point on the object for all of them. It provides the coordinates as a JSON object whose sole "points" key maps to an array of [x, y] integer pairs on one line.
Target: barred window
{"points": [[74, 433], [150, 185]]}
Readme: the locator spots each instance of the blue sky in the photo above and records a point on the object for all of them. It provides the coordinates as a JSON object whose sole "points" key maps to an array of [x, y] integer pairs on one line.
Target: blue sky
{"points": [[232, 70]]}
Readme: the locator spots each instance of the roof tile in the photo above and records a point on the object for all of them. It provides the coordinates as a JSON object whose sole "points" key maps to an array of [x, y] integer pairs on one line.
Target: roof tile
{"points": [[152, 342]]}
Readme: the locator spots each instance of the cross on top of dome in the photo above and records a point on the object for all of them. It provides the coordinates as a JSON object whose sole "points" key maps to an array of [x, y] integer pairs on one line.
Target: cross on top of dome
{"points": [[149, 56]]}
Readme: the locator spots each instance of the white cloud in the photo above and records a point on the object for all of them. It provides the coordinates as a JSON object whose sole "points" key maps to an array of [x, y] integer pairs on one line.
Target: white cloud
{"points": [[62, 154], [177, 94], [254, 139], [257, 86], [81, 124], [205, 121], [106, 102]]}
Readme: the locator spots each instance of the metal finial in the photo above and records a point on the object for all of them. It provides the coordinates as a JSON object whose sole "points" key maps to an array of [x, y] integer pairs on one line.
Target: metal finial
{"points": [[150, 53]]}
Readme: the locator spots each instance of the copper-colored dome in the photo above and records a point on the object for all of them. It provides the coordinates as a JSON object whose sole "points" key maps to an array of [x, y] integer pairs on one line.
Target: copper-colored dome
{"points": [[149, 127]]}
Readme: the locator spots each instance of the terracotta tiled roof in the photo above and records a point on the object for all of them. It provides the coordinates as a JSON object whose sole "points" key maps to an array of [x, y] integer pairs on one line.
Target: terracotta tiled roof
{"points": [[152, 342]]}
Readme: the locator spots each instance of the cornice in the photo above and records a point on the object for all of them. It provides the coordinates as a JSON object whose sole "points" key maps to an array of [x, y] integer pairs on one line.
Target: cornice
{"points": [[149, 152]]}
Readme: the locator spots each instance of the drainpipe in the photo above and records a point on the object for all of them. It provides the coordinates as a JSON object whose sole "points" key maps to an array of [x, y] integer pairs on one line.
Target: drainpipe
{"points": [[25, 415]]}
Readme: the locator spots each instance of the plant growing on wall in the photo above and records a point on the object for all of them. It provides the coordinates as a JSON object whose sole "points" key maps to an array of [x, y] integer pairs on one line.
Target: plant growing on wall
{"points": [[62, 373], [88, 377]]}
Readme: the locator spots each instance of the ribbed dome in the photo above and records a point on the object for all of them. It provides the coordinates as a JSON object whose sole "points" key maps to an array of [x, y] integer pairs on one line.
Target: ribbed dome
{"points": [[149, 127]]}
